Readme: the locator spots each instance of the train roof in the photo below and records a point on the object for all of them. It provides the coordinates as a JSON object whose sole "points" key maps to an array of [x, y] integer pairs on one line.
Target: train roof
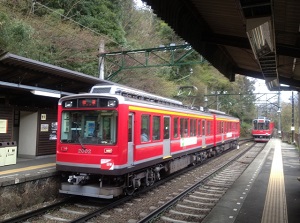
{"points": [[262, 118], [131, 94]]}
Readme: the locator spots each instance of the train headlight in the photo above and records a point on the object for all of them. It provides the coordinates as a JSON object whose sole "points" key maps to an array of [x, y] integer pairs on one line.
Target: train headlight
{"points": [[64, 149], [68, 104], [108, 150], [111, 103]]}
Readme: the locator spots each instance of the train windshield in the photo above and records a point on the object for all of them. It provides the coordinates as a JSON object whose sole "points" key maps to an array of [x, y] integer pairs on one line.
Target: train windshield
{"points": [[89, 127], [261, 125]]}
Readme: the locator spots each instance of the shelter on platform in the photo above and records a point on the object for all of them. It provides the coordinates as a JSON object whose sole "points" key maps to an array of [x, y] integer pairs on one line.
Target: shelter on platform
{"points": [[29, 93]]}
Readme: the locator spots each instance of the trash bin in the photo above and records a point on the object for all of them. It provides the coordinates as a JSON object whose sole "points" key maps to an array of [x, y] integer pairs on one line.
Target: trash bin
{"points": [[11, 153], [2, 153]]}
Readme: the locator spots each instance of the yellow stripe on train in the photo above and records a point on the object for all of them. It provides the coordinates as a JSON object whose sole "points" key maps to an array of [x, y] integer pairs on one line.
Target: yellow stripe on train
{"points": [[135, 108]]}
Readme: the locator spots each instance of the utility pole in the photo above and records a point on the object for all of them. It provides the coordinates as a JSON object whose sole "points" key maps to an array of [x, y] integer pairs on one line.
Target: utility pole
{"points": [[101, 60], [293, 118], [279, 115]]}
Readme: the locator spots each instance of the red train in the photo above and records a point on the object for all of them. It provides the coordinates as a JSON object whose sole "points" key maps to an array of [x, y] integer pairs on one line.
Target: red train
{"points": [[114, 139], [263, 129]]}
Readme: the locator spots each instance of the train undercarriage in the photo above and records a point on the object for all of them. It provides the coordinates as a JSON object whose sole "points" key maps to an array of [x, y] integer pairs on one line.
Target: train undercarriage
{"points": [[109, 187], [262, 138]]}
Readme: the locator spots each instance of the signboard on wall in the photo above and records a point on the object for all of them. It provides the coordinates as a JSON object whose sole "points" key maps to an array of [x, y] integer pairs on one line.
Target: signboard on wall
{"points": [[3, 125], [44, 127], [53, 131], [43, 117]]}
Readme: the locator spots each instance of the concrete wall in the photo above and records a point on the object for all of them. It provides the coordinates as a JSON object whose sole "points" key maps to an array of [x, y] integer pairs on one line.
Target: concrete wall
{"points": [[17, 197]]}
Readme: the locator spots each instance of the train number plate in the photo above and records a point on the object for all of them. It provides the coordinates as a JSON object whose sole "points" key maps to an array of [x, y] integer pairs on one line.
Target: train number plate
{"points": [[85, 151]]}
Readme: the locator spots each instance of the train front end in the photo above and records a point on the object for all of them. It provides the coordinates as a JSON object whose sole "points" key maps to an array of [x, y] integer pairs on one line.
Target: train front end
{"points": [[262, 129], [88, 153]]}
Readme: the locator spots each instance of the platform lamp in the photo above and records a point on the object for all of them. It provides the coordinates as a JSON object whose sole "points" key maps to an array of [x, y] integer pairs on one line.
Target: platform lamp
{"points": [[46, 93], [260, 35], [205, 103], [272, 83]]}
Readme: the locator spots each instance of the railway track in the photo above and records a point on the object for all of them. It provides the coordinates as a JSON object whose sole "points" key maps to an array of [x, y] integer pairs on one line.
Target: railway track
{"points": [[74, 210], [71, 209], [193, 204]]}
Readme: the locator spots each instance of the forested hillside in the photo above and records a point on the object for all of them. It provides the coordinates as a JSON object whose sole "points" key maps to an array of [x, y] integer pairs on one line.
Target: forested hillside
{"points": [[68, 33]]}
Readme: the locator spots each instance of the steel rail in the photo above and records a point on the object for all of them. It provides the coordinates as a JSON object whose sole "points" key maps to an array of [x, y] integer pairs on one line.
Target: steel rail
{"points": [[34, 213], [99, 211], [156, 213], [117, 202]]}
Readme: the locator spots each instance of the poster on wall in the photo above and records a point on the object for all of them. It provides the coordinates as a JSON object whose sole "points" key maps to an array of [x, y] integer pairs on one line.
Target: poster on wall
{"points": [[44, 127], [53, 131], [3, 126]]}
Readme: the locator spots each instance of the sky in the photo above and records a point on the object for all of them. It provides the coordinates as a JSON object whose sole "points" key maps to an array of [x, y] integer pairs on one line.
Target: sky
{"points": [[260, 87], [139, 3]]}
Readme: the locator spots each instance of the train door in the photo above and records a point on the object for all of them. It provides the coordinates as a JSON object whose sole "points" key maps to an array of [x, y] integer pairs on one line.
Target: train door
{"points": [[222, 131], [167, 141], [203, 133], [130, 138]]}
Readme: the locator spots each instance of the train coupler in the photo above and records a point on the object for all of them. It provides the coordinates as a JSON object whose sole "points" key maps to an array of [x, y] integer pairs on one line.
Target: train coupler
{"points": [[80, 179]]}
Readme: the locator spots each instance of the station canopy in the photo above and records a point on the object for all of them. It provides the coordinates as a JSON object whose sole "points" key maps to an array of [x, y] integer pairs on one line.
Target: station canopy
{"points": [[23, 76], [255, 38]]}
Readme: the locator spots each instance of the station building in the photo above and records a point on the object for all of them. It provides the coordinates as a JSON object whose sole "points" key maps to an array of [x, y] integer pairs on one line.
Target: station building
{"points": [[29, 94]]}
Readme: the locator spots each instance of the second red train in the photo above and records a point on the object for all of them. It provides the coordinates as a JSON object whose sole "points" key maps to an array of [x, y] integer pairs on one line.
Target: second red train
{"points": [[263, 129]]}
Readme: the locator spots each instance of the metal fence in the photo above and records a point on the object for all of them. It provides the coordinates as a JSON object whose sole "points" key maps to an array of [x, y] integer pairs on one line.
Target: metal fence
{"points": [[287, 137]]}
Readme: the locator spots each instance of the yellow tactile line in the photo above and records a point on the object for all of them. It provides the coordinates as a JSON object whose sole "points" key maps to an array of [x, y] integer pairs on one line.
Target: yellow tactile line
{"points": [[27, 168], [275, 210]]}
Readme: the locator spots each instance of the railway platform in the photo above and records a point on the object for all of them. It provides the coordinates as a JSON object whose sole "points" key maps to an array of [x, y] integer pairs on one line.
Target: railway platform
{"points": [[27, 170], [267, 192]]}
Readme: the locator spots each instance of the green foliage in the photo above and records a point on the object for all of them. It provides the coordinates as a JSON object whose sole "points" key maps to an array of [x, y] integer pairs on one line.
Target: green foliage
{"points": [[245, 129], [165, 32], [99, 15], [46, 37], [234, 98], [15, 34], [149, 82], [286, 117], [44, 32]]}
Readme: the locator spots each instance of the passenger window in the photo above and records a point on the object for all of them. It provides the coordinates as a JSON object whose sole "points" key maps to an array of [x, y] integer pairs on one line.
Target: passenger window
{"points": [[199, 128], [193, 127], [208, 128], [166, 127], [175, 128], [145, 127], [255, 125], [267, 125], [183, 127], [156, 128], [130, 128], [222, 127]]}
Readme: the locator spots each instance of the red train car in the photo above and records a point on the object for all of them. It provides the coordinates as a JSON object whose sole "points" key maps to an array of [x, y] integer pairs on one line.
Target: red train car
{"points": [[114, 139], [262, 129]]}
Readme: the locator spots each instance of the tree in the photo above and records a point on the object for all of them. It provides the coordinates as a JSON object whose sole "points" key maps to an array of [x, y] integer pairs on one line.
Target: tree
{"points": [[99, 15], [46, 31], [15, 34]]}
